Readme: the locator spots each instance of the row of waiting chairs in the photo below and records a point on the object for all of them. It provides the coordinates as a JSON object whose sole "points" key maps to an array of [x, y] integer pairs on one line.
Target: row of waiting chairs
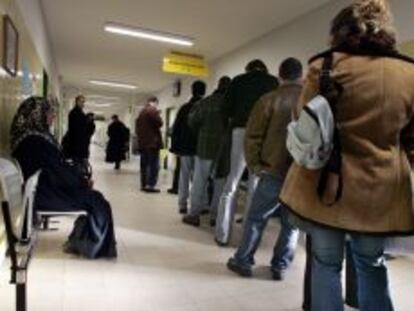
{"points": [[17, 198]]}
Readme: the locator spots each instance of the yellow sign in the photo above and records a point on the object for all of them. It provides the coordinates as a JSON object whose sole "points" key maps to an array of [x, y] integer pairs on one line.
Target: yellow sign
{"points": [[186, 64]]}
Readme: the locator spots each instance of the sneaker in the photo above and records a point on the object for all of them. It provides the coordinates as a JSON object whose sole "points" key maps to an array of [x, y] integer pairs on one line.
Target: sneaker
{"points": [[232, 265], [182, 210], [191, 220], [278, 275]]}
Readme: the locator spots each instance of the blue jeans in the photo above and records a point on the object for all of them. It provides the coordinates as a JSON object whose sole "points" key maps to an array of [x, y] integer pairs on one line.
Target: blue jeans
{"points": [[264, 205], [327, 257], [184, 184]]}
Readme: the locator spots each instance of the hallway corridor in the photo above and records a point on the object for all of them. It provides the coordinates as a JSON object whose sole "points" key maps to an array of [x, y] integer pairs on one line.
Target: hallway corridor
{"points": [[162, 265]]}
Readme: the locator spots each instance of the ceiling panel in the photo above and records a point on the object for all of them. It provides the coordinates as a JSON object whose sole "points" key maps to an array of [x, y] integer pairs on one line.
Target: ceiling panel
{"points": [[84, 51]]}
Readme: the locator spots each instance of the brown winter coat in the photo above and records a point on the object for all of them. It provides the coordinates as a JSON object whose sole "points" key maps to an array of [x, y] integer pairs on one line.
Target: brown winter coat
{"points": [[376, 126], [148, 129], [265, 139]]}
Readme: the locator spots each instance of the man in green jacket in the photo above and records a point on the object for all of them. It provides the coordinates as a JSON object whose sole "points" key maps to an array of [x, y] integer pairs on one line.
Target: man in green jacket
{"points": [[268, 158], [208, 120]]}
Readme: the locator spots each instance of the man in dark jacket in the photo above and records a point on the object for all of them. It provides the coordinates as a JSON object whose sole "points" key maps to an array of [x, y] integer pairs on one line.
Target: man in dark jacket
{"points": [[207, 116], [243, 93], [267, 157], [76, 141], [147, 129], [116, 148], [184, 144]]}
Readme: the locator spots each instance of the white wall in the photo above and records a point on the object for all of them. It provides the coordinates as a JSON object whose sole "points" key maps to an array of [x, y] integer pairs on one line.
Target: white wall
{"points": [[32, 13], [301, 38]]}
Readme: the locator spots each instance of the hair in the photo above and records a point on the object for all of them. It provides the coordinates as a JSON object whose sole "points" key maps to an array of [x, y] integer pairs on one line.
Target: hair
{"points": [[224, 83], [152, 99], [115, 117], [198, 88], [290, 69], [365, 23], [77, 98], [256, 65]]}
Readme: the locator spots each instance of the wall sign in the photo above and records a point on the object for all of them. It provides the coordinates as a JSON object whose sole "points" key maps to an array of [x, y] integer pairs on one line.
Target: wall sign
{"points": [[10, 46]]}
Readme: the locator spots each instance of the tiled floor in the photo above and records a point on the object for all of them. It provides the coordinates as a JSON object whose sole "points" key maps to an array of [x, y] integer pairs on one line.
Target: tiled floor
{"points": [[163, 265]]}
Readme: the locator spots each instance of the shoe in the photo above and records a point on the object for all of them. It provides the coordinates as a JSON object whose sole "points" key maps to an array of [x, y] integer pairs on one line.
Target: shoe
{"points": [[239, 220], [221, 244], [236, 268], [212, 222], [172, 191], [191, 220], [152, 190], [183, 210], [278, 275]]}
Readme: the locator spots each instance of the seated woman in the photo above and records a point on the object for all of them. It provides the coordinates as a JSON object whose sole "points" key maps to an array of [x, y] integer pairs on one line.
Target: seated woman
{"points": [[61, 186]]}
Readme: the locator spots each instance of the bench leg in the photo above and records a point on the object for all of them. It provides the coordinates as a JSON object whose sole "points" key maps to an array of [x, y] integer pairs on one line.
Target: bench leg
{"points": [[21, 304]]}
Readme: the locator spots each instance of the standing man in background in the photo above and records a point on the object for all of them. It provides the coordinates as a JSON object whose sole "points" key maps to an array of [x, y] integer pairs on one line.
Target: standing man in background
{"points": [[148, 130], [76, 140], [243, 93], [184, 144]]}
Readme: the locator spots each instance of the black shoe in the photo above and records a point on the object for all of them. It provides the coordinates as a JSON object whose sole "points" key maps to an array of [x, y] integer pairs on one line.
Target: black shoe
{"points": [[191, 220], [182, 211], [236, 268], [172, 191], [278, 275], [152, 190], [219, 243], [212, 222]]}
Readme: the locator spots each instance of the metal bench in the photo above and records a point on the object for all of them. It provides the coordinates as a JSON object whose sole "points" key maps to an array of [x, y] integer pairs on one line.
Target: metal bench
{"points": [[20, 238]]}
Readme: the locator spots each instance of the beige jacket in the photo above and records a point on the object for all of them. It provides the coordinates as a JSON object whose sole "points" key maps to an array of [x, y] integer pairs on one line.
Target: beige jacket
{"points": [[265, 140], [376, 127]]}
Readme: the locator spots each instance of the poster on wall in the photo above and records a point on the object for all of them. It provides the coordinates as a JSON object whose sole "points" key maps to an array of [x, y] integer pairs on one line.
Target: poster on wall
{"points": [[10, 46]]}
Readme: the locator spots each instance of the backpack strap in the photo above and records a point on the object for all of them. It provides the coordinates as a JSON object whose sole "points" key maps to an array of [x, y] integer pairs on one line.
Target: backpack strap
{"points": [[331, 90]]}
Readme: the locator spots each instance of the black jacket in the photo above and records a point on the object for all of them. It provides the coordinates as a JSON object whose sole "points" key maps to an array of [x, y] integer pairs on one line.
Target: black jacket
{"points": [[244, 91], [183, 137], [76, 141]]}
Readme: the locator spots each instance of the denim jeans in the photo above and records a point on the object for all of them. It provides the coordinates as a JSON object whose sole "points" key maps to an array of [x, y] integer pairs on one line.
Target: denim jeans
{"points": [[150, 166], [199, 195], [186, 173], [227, 204], [327, 257], [263, 206], [199, 190]]}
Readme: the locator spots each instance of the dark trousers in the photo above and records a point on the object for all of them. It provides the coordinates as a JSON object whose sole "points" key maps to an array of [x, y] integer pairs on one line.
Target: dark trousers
{"points": [[176, 177], [150, 166]]}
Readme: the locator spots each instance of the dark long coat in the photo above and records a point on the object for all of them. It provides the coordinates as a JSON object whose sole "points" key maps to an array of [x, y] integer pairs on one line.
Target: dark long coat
{"points": [[117, 144]]}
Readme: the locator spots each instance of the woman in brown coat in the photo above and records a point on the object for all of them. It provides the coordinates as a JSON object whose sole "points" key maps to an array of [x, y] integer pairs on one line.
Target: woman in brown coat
{"points": [[375, 115]]}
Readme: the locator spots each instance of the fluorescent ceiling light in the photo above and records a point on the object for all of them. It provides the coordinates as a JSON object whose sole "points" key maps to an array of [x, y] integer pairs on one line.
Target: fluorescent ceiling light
{"points": [[113, 84], [148, 34]]}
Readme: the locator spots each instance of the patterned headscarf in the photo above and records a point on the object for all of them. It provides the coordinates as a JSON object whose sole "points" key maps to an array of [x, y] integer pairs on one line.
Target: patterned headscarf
{"points": [[31, 119]]}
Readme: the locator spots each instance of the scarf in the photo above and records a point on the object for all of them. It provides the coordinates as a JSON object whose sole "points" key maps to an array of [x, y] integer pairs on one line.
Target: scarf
{"points": [[31, 119]]}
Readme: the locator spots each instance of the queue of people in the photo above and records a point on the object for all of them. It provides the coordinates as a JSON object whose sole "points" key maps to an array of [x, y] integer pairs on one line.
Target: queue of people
{"points": [[369, 90]]}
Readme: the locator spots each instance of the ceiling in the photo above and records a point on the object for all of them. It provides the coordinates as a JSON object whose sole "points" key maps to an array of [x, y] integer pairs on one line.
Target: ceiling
{"points": [[84, 51]]}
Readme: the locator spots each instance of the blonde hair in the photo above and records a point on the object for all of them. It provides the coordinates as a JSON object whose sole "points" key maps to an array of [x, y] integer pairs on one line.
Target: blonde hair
{"points": [[364, 23]]}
